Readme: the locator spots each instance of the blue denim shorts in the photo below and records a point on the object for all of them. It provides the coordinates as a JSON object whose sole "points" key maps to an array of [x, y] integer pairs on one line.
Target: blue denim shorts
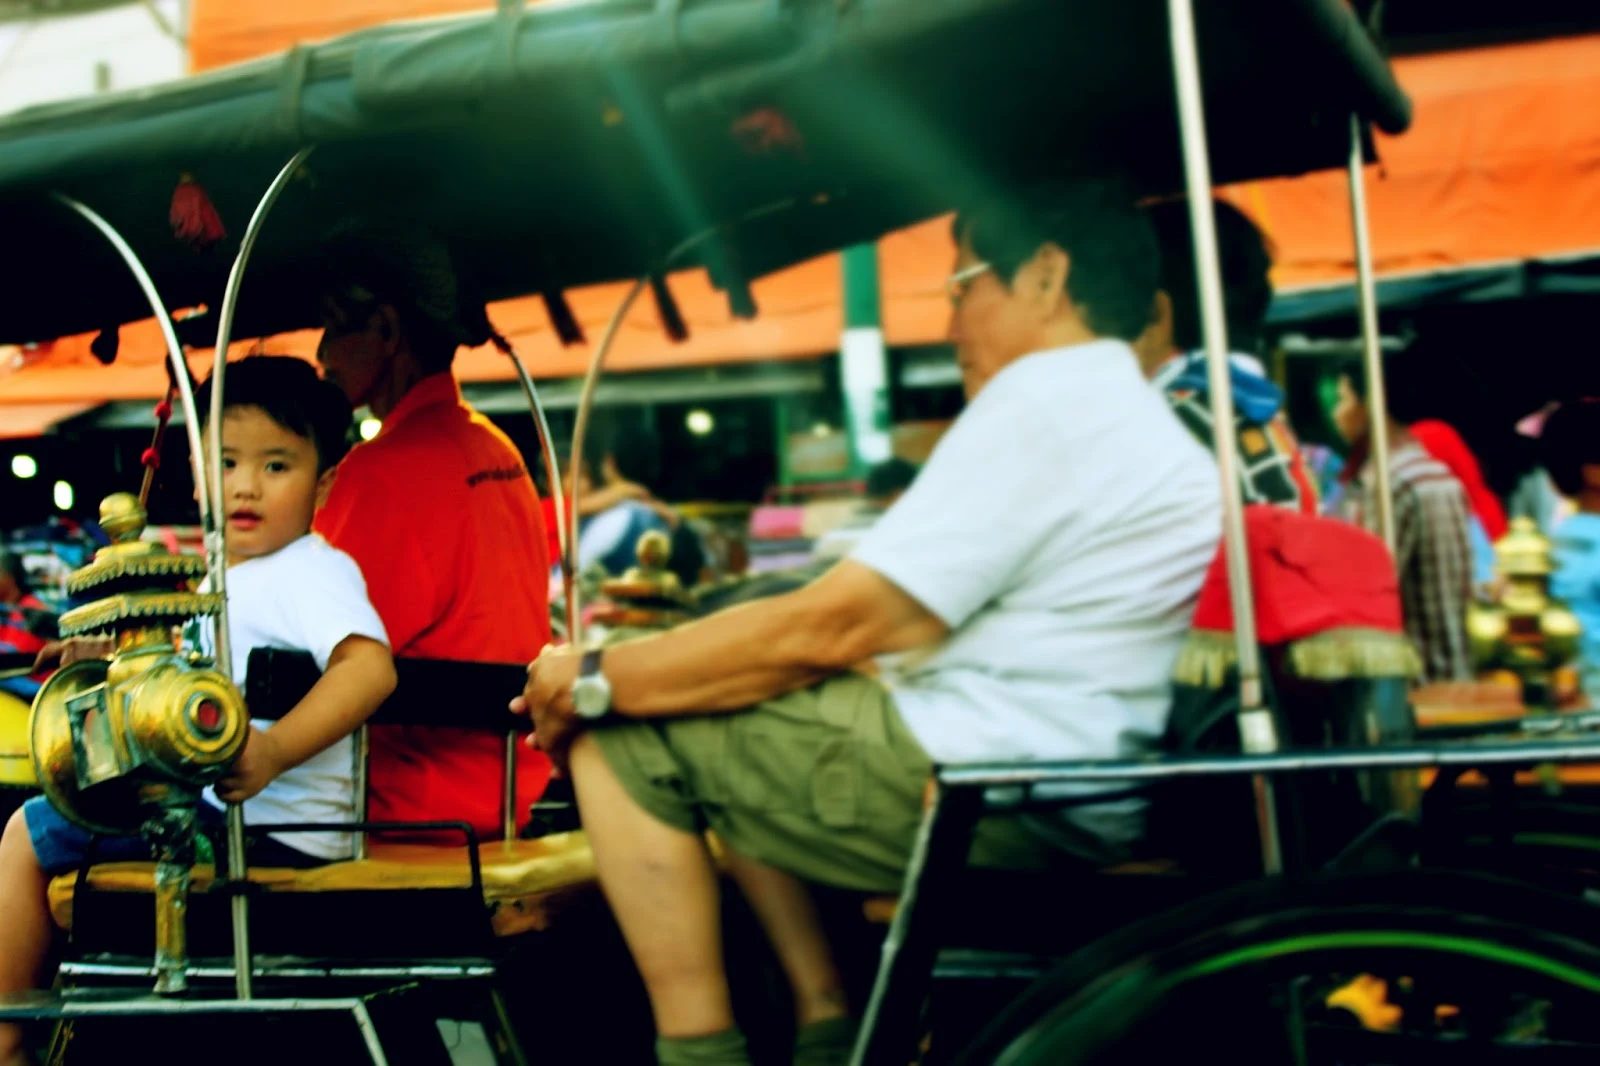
{"points": [[61, 846]]}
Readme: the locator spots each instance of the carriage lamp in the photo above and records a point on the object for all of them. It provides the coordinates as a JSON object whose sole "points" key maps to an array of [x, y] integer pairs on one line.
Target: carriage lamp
{"points": [[1524, 630], [125, 745]]}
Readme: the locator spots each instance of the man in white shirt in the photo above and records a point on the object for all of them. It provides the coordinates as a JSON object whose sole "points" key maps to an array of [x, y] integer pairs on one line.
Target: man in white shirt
{"points": [[1026, 597]]}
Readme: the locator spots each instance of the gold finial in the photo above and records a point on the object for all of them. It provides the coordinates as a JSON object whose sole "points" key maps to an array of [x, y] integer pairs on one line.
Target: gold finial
{"points": [[122, 517], [1523, 551], [653, 550]]}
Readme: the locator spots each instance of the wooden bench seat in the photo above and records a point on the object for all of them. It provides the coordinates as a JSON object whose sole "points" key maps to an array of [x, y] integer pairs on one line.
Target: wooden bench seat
{"points": [[520, 877]]}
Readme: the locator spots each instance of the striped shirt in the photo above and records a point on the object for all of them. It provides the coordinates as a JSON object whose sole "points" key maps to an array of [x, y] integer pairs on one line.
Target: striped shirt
{"points": [[1433, 554]]}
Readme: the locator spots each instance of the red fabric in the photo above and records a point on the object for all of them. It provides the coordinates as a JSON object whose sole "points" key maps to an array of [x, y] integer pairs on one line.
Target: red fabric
{"points": [[1441, 441], [194, 220], [1309, 575], [441, 516]]}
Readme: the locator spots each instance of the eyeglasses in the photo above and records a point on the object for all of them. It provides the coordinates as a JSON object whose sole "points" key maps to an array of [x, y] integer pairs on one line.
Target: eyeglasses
{"points": [[956, 285]]}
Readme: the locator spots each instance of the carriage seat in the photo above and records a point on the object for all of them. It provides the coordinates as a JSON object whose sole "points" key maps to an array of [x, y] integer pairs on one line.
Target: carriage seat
{"points": [[523, 880]]}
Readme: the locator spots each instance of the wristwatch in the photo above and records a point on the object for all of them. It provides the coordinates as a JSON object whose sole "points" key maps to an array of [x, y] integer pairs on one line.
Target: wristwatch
{"points": [[591, 692]]}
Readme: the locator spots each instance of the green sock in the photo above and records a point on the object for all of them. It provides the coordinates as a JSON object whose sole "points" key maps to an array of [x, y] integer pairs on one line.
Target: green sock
{"points": [[726, 1048], [825, 1043]]}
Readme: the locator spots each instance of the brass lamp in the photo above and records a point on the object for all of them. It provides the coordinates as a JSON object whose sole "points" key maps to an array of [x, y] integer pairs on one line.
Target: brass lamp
{"points": [[126, 745], [1525, 630]]}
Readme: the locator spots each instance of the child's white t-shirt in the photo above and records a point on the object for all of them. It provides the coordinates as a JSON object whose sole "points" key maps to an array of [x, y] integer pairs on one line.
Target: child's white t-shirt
{"points": [[307, 596]]}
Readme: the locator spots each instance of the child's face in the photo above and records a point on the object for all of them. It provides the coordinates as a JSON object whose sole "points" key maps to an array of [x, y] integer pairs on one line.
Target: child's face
{"points": [[270, 483]]}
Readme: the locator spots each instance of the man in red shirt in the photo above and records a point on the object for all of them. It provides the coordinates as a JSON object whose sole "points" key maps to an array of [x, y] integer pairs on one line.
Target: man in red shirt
{"points": [[438, 510]]}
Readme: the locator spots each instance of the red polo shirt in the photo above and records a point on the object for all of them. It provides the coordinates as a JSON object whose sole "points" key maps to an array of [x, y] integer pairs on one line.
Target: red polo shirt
{"points": [[441, 516]]}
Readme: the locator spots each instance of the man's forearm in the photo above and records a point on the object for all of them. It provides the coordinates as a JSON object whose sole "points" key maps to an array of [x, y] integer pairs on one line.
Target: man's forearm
{"points": [[726, 662]]}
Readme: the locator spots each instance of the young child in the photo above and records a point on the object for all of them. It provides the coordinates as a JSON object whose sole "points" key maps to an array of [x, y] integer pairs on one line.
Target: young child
{"points": [[1570, 443], [283, 431]]}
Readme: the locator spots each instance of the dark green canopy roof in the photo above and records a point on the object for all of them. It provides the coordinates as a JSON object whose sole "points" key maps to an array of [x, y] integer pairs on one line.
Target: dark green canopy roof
{"points": [[579, 141]]}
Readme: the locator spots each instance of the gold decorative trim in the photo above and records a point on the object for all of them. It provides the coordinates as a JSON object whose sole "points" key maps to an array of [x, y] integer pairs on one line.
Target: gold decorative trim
{"points": [[106, 613], [1209, 656], [1205, 659], [115, 567], [1341, 654]]}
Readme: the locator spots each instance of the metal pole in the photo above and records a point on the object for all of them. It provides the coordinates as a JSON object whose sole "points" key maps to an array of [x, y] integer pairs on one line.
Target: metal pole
{"points": [[508, 810], [217, 555], [552, 470], [580, 427], [597, 362], [1371, 346], [174, 349], [1257, 729]]}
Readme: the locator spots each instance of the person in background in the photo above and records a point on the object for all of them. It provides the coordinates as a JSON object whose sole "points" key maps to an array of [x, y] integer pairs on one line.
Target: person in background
{"points": [[1272, 470], [1440, 440], [1433, 540], [617, 504], [1570, 443], [26, 624], [437, 510], [886, 483]]}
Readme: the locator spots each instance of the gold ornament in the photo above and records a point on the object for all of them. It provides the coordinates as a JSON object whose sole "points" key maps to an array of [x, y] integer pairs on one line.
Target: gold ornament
{"points": [[1524, 630]]}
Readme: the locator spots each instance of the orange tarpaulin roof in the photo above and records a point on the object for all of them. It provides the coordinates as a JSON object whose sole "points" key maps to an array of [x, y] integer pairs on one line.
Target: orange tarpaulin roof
{"points": [[799, 305], [1503, 163]]}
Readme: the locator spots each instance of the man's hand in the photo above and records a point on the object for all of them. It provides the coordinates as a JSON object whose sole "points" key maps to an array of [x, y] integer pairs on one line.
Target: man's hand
{"points": [[258, 763], [547, 699]]}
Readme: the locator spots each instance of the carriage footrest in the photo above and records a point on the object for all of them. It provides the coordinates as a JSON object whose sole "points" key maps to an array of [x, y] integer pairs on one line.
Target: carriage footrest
{"points": [[130, 970], [45, 1006]]}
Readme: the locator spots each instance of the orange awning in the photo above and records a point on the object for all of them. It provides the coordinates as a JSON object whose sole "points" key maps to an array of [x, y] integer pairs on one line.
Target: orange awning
{"points": [[34, 419]]}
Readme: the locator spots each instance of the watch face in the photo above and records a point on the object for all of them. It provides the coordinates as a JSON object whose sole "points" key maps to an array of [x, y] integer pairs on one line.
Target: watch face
{"points": [[591, 696]]}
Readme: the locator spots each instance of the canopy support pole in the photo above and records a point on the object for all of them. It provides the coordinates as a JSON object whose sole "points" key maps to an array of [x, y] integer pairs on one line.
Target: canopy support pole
{"points": [[217, 554], [566, 537], [180, 368], [1257, 728], [580, 429], [552, 470], [591, 379], [1371, 346]]}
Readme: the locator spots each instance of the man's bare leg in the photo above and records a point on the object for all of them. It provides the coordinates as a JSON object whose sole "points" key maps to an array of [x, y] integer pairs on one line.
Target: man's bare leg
{"points": [[25, 926], [662, 887], [786, 910]]}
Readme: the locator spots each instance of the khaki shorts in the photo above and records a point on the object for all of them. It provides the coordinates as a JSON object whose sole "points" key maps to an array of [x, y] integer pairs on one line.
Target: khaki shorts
{"points": [[825, 782]]}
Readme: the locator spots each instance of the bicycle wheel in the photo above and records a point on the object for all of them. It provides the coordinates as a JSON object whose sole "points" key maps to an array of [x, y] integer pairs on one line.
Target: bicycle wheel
{"points": [[1472, 967], [1549, 841]]}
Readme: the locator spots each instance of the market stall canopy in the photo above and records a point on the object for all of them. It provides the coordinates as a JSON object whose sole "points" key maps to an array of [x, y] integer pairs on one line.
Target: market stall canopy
{"points": [[579, 142]]}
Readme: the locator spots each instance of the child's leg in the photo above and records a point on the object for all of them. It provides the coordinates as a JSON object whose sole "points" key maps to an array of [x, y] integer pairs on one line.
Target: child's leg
{"points": [[25, 927]]}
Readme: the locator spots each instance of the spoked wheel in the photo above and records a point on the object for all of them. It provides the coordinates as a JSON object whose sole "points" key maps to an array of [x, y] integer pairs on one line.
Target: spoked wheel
{"points": [[1412, 967]]}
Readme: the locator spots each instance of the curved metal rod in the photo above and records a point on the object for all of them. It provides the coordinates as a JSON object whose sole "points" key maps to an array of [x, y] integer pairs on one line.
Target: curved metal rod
{"points": [[552, 466], [580, 428], [1371, 349], [180, 368], [591, 379], [216, 531], [217, 550]]}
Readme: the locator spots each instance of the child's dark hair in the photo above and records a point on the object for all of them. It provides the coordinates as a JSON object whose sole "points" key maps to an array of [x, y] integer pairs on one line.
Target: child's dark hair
{"points": [[293, 396], [1569, 442]]}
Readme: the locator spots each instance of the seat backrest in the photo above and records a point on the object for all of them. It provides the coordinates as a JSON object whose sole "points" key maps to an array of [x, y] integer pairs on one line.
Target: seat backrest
{"points": [[428, 692], [1337, 669]]}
